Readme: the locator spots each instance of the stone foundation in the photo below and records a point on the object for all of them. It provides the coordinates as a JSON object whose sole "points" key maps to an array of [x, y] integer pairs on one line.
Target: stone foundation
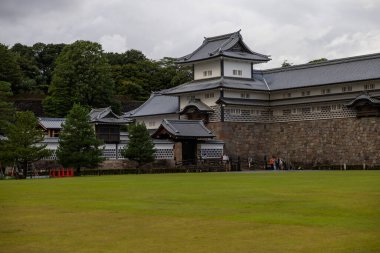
{"points": [[351, 141]]}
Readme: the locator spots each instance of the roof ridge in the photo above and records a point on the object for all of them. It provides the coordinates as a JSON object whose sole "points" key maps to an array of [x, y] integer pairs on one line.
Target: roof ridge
{"points": [[206, 40], [223, 36], [167, 122], [141, 106], [324, 63]]}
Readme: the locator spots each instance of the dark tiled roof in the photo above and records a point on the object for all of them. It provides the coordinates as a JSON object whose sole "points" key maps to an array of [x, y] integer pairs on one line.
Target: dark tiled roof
{"points": [[364, 97], [51, 123], [228, 45], [241, 101], [106, 116], [157, 104], [350, 69], [220, 82], [202, 107], [313, 99], [184, 129]]}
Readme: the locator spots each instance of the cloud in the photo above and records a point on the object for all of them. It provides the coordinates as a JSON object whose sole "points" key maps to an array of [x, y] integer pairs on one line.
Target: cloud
{"points": [[295, 30], [114, 43]]}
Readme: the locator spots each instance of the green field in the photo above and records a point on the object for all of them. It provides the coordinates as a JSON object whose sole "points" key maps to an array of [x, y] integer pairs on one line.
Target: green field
{"points": [[319, 211]]}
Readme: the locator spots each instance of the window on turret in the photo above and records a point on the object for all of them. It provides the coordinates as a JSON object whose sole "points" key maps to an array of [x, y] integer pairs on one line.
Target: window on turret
{"points": [[237, 72], [207, 73]]}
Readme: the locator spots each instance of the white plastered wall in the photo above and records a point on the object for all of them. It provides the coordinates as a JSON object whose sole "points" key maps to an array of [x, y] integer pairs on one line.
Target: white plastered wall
{"points": [[153, 122], [231, 65], [214, 66]]}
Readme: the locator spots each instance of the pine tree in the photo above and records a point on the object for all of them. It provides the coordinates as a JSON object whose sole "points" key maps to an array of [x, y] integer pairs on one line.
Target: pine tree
{"points": [[78, 146], [140, 146], [23, 144]]}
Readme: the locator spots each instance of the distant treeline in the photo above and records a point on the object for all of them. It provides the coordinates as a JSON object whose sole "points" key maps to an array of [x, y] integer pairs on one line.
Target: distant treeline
{"points": [[82, 73]]}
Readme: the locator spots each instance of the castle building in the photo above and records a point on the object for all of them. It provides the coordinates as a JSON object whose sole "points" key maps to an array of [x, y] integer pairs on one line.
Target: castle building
{"points": [[310, 114]]}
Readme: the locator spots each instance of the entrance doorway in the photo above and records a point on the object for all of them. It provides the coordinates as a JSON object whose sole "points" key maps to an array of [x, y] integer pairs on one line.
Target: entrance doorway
{"points": [[189, 151]]}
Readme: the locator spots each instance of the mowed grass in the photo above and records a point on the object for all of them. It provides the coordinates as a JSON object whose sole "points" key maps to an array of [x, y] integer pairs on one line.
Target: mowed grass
{"points": [[319, 211]]}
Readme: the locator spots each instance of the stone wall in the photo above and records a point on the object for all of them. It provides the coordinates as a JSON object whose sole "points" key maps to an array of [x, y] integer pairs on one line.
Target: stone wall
{"points": [[353, 141]]}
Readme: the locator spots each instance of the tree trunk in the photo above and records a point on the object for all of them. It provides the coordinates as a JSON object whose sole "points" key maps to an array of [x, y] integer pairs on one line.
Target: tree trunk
{"points": [[78, 171], [24, 167]]}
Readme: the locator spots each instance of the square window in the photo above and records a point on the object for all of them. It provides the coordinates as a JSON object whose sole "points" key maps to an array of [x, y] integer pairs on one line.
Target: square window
{"points": [[209, 95], [369, 86], [237, 72], [244, 95], [296, 111], [325, 91], [347, 88], [315, 109], [254, 112], [234, 111], [336, 108]]}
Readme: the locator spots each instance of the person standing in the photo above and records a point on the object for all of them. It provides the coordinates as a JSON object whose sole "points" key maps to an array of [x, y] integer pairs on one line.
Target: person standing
{"points": [[225, 160], [271, 163]]}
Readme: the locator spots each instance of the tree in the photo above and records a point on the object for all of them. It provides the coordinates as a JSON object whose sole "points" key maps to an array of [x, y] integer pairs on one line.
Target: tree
{"points": [[318, 60], [36, 63], [30, 71], [45, 56], [9, 70], [23, 144], [82, 75], [7, 110], [134, 91], [129, 57], [140, 146], [286, 64], [78, 146]]}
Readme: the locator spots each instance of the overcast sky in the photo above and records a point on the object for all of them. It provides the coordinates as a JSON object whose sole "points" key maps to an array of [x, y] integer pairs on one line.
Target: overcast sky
{"points": [[296, 30]]}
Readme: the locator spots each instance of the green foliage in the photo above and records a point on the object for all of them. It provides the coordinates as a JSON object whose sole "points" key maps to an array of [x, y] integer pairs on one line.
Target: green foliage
{"points": [[9, 70], [82, 75], [78, 146], [140, 146], [129, 57], [36, 63], [7, 110], [148, 74], [318, 60], [286, 64], [131, 89], [23, 145], [28, 66]]}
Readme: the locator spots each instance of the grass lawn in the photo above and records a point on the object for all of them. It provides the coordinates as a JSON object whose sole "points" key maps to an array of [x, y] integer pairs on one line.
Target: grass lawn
{"points": [[319, 211]]}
